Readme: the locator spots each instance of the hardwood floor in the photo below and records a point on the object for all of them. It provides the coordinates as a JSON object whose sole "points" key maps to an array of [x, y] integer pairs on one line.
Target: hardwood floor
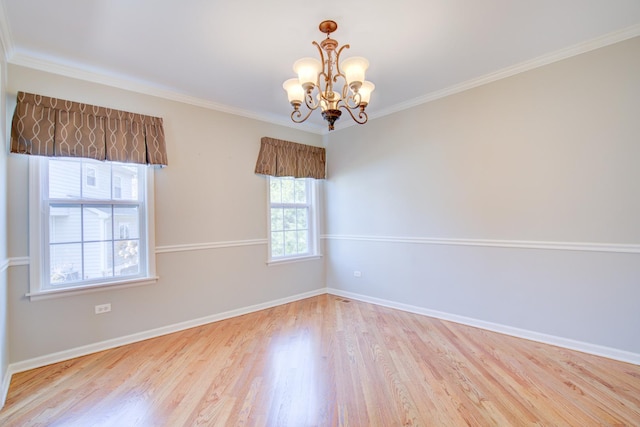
{"points": [[327, 361]]}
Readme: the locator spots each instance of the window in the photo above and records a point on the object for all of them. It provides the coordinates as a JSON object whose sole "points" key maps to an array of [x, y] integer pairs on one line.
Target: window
{"points": [[90, 176], [292, 218], [84, 232]]}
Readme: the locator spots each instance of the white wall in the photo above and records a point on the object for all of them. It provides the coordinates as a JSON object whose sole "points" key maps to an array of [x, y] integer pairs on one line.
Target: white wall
{"points": [[551, 155], [207, 195]]}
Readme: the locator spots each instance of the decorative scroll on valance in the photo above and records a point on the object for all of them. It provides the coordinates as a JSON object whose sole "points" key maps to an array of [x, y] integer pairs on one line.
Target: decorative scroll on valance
{"points": [[285, 158], [44, 126]]}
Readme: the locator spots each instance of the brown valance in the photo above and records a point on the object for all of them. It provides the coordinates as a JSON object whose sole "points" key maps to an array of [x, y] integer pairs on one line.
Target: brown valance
{"points": [[44, 126], [285, 158]]}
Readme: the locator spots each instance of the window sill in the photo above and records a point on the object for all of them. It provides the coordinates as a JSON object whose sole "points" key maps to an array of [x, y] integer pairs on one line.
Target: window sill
{"points": [[289, 260], [79, 290]]}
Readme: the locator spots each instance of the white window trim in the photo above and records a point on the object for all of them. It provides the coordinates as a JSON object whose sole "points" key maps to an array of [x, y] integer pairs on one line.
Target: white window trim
{"points": [[314, 234], [37, 218]]}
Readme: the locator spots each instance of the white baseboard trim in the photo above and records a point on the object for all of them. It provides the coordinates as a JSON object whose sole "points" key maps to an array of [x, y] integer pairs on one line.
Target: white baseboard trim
{"points": [[597, 350], [4, 391], [519, 244], [37, 362], [48, 359]]}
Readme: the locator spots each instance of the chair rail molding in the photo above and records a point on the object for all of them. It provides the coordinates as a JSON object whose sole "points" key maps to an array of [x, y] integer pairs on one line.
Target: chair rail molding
{"points": [[521, 244]]}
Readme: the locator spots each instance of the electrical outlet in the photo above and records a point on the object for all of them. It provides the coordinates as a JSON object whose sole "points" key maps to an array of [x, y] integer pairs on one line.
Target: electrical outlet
{"points": [[103, 308], [357, 273]]}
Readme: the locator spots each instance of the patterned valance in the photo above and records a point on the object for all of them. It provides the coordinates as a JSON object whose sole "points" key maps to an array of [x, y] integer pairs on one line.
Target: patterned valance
{"points": [[44, 126], [285, 158]]}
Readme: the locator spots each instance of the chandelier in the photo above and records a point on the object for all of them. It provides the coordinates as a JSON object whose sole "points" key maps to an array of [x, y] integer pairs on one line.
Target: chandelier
{"points": [[328, 84]]}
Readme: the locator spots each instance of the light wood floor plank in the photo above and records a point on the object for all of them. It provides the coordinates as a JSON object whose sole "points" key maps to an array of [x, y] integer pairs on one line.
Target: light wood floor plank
{"points": [[329, 361]]}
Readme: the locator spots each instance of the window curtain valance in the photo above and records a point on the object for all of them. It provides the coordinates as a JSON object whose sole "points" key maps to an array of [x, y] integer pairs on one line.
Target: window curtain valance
{"points": [[285, 158], [44, 126]]}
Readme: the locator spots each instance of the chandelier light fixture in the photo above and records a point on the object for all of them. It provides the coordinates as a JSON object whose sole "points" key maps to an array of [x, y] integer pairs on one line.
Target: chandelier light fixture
{"points": [[328, 84]]}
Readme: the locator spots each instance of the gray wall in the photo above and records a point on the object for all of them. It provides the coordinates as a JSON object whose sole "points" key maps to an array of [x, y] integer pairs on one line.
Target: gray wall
{"points": [[550, 155], [545, 156], [4, 332], [207, 195]]}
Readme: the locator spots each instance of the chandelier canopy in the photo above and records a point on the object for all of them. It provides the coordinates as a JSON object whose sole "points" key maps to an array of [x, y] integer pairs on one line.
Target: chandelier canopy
{"points": [[328, 84]]}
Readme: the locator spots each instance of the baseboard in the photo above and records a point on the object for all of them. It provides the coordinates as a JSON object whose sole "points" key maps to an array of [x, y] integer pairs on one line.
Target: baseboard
{"points": [[38, 362], [6, 381], [597, 350], [25, 365]]}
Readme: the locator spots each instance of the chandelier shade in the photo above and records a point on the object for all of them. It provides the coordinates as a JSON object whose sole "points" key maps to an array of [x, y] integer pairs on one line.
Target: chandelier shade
{"points": [[295, 93], [365, 92], [329, 84], [307, 70], [354, 69]]}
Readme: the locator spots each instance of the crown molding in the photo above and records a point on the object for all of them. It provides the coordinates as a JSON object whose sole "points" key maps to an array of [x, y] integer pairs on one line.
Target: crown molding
{"points": [[559, 55], [125, 83], [28, 61]]}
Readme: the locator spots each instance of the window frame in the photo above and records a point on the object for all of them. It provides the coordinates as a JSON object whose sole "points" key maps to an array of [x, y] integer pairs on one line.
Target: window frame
{"points": [[312, 205], [39, 238]]}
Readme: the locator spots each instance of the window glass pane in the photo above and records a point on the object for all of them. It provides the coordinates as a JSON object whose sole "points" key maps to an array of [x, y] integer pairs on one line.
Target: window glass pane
{"points": [[89, 237], [126, 181], [290, 242], [96, 180], [289, 219], [275, 190], [127, 261], [277, 218], [301, 218], [303, 241], [64, 179], [65, 224], [301, 190], [277, 244], [98, 260], [97, 223], [127, 222], [288, 190], [65, 263]]}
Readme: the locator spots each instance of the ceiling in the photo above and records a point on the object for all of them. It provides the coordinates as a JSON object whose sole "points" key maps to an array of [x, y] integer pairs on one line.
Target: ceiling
{"points": [[234, 55]]}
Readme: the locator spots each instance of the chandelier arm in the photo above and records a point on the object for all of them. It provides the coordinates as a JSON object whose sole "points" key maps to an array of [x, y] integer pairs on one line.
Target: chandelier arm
{"points": [[326, 83], [338, 72], [297, 113], [356, 98], [321, 57], [308, 101], [362, 115]]}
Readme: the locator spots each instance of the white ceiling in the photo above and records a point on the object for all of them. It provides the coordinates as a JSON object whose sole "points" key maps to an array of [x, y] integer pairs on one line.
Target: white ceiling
{"points": [[233, 55]]}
